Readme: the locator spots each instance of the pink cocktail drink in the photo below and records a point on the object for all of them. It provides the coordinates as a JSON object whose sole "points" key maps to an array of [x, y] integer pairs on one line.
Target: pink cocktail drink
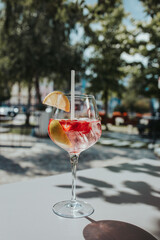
{"points": [[82, 134], [75, 126]]}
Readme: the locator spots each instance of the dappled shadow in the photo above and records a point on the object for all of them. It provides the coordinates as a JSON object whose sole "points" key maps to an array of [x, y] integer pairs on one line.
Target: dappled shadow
{"points": [[95, 182], [96, 192], [136, 168], [109, 152], [68, 186], [45, 158], [42, 155], [11, 167], [114, 230], [144, 194], [89, 194], [14, 146], [52, 161]]}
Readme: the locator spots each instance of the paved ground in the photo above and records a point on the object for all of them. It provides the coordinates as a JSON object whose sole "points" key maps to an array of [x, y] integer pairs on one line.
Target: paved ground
{"points": [[23, 157]]}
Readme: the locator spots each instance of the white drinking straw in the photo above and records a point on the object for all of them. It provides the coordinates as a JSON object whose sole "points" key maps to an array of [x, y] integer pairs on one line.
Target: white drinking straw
{"points": [[72, 94]]}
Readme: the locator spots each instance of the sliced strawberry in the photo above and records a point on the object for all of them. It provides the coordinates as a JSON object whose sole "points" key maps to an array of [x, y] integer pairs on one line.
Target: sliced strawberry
{"points": [[66, 124]]}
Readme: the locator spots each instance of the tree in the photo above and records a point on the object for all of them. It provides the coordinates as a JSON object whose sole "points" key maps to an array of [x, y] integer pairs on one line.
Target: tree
{"points": [[36, 36], [152, 7], [107, 35], [38, 39], [145, 74]]}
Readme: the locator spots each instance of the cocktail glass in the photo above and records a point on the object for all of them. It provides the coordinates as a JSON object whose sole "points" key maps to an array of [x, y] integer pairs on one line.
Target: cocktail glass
{"points": [[74, 136]]}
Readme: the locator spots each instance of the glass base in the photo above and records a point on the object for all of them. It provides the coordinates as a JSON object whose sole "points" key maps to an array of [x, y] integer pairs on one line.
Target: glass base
{"points": [[70, 209]]}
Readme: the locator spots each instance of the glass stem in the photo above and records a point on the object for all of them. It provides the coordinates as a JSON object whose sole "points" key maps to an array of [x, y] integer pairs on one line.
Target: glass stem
{"points": [[74, 162]]}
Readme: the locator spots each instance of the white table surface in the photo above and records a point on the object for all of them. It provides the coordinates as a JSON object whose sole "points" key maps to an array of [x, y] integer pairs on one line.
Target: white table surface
{"points": [[128, 192]]}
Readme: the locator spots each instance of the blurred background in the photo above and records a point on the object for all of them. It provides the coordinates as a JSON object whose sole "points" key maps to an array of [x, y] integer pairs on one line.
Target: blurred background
{"points": [[114, 46]]}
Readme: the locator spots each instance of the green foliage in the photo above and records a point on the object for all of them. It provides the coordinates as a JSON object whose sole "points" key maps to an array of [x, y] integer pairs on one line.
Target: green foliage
{"points": [[145, 74], [108, 42], [152, 7], [36, 40], [132, 103], [5, 86]]}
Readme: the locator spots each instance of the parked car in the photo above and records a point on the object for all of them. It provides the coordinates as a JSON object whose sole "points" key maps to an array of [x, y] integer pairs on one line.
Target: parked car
{"points": [[6, 111]]}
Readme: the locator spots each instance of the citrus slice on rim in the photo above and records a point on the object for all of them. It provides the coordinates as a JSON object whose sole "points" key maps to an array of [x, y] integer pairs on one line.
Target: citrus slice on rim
{"points": [[57, 134], [57, 99]]}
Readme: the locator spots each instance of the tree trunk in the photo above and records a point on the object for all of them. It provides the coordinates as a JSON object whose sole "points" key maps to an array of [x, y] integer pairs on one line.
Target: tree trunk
{"points": [[28, 104], [53, 85], [19, 93], [105, 96], [37, 90]]}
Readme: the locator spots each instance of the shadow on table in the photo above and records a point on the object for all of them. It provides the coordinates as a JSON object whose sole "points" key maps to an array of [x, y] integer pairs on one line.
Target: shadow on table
{"points": [[114, 230], [136, 168], [143, 192]]}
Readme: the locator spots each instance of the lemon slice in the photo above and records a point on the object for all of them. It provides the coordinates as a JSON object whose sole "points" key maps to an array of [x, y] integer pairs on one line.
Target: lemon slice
{"points": [[57, 134], [57, 99]]}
